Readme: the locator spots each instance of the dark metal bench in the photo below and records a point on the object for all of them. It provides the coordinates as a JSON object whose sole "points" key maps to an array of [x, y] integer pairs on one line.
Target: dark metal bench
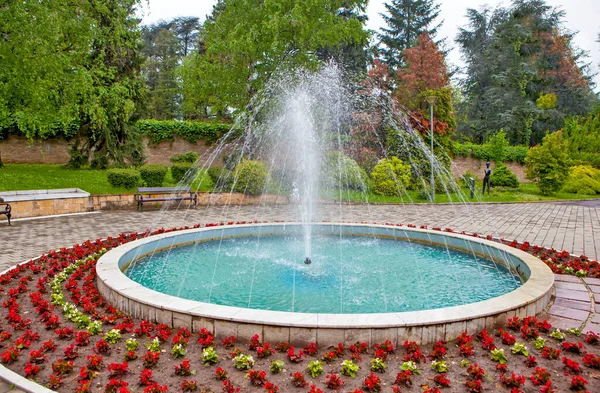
{"points": [[5, 209], [175, 191]]}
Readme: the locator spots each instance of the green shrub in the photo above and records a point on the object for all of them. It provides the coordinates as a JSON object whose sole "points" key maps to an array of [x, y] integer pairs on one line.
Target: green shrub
{"points": [[189, 157], [461, 149], [77, 159], [503, 177], [250, 177], [341, 171], [178, 171], [467, 176], [583, 179], [497, 146], [153, 175], [192, 131], [390, 177], [99, 162], [221, 178], [582, 158], [484, 152], [548, 163], [123, 178]]}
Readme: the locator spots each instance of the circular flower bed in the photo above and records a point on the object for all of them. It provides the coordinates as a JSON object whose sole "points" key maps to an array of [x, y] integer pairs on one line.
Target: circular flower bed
{"points": [[57, 330]]}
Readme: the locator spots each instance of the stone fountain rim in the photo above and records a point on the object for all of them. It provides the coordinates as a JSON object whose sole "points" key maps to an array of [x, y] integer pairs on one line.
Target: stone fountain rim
{"points": [[134, 298]]}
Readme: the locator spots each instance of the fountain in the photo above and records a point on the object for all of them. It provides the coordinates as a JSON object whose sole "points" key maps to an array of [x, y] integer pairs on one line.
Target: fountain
{"points": [[312, 281]]}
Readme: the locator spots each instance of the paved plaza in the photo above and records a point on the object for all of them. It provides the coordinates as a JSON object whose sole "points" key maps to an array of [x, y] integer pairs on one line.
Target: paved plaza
{"points": [[571, 226]]}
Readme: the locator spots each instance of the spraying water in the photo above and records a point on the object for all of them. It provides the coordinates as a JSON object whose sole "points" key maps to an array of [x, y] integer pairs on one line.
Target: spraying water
{"points": [[297, 132]]}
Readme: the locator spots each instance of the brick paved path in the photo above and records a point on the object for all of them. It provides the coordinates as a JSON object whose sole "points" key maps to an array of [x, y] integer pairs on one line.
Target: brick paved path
{"points": [[571, 226]]}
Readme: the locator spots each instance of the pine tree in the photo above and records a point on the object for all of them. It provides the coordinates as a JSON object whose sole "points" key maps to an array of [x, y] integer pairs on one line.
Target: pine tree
{"points": [[523, 73], [106, 112], [406, 20]]}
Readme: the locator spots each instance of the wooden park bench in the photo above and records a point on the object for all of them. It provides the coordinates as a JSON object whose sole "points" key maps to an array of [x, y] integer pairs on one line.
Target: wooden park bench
{"points": [[177, 194], [5, 209]]}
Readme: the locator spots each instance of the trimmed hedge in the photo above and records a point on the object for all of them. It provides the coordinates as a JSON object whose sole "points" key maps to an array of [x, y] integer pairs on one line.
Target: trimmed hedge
{"points": [[483, 152], [188, 157], [340, 171], [179, 170], [192, 131], [503, 177], [153, 175], [251, 177], [124, 178], [221, 178]]}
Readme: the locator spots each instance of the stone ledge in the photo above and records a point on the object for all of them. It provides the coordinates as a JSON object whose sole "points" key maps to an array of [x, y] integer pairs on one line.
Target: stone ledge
{"points": [[425, 326], [39, 195]]}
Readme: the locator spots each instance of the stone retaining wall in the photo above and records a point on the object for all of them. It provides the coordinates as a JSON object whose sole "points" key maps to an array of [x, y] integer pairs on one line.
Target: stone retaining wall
{"points": [[50, 207], [462, 164], [19, 150]]}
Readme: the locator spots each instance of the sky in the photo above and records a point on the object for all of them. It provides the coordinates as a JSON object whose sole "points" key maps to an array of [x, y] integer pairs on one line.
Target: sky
{"points": [[581, 16]]}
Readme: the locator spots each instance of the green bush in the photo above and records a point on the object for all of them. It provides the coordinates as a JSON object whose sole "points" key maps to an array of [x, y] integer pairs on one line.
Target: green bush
{"points": [[341, 171], [583, 158], [497, 147], [221, 178], [484, 152], [178, 171], [153, 175], [467, 176], [189, 157], [503, 177], [250, 177], [99, 162], [390, 177], [548, 163], [77, 159], [584, 180], [192, 131], [123, 178]]}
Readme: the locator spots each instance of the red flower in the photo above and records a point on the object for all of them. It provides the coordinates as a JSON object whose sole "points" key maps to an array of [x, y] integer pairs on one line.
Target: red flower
{"points": [[372, 383], [333, 381], [31, 370], [298, 380], [117, 369], [146, 377], [221, 374]]}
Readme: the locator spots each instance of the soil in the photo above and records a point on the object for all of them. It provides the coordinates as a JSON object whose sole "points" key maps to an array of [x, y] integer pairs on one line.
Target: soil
{"points": [[27, 276]]}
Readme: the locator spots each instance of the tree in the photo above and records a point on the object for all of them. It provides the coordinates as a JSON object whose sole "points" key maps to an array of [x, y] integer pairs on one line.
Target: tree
{"points": [[474, 43], [424, 75], [187, 29], [246, 44], [583, 134], [548, 163], [425, 69], [42, 73], [114, 59], [160, 73], [515, 56], [352, 56], [406, 21]]}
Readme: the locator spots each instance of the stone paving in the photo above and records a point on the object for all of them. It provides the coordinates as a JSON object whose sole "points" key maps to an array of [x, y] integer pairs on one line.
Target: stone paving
{"points": [[571, 226]]}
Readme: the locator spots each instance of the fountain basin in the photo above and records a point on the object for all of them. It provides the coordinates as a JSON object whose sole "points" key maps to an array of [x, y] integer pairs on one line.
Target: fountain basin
{"points": [[424, 326]]}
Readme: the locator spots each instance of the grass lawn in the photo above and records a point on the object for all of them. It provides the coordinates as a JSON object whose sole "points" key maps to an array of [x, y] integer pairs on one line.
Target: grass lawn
{"points": [[43, 176], [526, 192]]}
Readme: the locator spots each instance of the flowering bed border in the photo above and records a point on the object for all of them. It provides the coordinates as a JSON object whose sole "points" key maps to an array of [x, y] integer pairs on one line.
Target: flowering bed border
{"points": [[52, 263], [424, 326]]}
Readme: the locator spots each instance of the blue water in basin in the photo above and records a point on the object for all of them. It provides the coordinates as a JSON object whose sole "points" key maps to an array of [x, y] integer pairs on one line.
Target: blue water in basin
{"points": [[347, 275]]}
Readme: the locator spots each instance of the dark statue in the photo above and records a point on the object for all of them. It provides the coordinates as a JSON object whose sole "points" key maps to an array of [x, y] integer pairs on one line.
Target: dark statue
{"points": [[486, 178]]}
